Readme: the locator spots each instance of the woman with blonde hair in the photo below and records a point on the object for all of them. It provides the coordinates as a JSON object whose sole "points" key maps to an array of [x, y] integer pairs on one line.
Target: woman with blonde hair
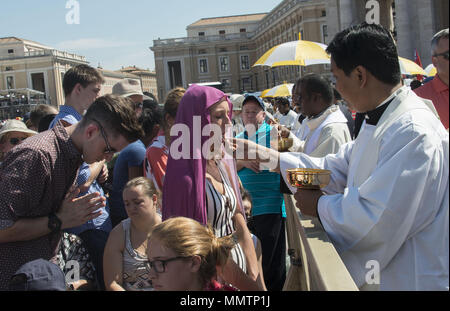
{"points": [[183, 256], [124, 260]]}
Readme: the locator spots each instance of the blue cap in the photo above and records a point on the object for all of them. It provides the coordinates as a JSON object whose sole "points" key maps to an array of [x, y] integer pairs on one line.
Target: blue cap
{"points": [[250, 96], [38, 275]]}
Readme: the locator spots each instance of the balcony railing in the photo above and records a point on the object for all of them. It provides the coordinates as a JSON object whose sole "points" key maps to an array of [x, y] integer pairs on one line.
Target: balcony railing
{"points": [[315, 264], [42, 53], [190, 40]]}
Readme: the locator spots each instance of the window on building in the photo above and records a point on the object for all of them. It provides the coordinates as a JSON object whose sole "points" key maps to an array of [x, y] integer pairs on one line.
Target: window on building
{"points": [[324, 13], [11, 51], [242, 30], [221, 32], [203, 65], [246, 84], [175, 74], [201, 34], [38, 81], [224, 63], [325, 33], [8, 68], [9, 82], [245, 63], [222, 50], [226, 83]]}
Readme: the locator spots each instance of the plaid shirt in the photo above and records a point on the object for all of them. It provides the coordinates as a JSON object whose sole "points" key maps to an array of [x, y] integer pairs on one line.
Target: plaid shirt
{"points": [[34, 178]]}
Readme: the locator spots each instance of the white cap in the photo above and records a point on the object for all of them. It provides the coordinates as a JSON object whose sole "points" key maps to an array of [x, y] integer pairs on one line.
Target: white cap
{"points": [[127, 87], [237, 100]]}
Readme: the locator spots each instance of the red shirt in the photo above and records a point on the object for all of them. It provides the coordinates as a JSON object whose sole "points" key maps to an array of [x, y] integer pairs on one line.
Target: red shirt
{"points": [[437, 92]]}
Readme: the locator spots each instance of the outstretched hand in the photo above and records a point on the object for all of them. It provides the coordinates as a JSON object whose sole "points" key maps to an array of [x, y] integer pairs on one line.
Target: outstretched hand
{"points": [[247, 150]]}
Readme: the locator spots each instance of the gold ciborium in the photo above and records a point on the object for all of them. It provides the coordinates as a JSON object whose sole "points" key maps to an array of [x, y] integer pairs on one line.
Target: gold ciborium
{"points": [[308, 178]]}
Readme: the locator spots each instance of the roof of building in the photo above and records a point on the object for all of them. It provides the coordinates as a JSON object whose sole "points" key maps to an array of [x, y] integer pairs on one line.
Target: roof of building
{"points": [[6, 40], [117, 74], [229, 20], [130, 68], [136, 70]]}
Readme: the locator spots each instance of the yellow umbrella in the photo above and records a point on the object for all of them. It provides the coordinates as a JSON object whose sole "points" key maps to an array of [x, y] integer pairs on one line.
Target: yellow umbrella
{"points": [[263, 93], [431, 70], [297, 53], [408, 67], [282, 90]]}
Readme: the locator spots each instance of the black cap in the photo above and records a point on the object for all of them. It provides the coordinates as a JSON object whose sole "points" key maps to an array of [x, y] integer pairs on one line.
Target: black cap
{"points": [[38, 275]]}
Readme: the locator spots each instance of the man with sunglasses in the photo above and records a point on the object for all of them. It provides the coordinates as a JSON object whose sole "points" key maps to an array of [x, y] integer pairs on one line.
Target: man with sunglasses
{"points": [[38, 182], [437, 89]]}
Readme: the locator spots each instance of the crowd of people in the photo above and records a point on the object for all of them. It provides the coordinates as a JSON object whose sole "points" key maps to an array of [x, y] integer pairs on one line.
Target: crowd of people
{"points": [[118, 192]]}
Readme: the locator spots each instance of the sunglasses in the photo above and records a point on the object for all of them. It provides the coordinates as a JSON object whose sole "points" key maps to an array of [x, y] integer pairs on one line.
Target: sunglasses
{"points": [[108, 149], [445, 54], [15, 141]]}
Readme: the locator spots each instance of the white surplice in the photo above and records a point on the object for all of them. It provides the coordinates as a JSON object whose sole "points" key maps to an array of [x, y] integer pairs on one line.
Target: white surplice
{"points": [[322, 135], [388, 199], [288, 119]]}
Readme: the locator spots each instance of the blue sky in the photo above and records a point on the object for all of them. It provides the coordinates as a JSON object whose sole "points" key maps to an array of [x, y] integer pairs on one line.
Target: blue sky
{"points": [[114, 33]]}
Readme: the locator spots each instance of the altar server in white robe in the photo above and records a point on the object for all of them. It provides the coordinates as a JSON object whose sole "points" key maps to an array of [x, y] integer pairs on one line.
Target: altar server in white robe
{"points": [[325, 128], [287, 116], [386, 208]]}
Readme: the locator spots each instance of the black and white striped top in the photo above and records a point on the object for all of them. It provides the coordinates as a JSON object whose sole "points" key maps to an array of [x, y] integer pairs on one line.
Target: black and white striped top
{"points": [[220, 210]]}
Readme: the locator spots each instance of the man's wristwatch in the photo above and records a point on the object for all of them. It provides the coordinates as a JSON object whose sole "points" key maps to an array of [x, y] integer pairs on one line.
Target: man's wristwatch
{"points": [[54, 223]]}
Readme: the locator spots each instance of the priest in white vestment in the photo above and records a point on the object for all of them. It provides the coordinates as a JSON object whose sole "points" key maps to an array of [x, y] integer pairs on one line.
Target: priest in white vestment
{"points": [[386, 208], [325, 128]]}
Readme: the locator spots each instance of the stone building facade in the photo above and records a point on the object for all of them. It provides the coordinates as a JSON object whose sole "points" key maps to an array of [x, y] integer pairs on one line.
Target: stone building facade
{"points": [[223, 49], [25, 64], [412, 22]]}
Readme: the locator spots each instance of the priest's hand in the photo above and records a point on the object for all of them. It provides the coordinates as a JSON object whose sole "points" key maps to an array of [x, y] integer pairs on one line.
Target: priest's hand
{"points": [[307, 201], [246, 150]]}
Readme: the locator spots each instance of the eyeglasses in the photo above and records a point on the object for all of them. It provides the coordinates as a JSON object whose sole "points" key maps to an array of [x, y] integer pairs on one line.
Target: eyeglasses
{"points": [[15, 141], [159, 266], [445, 54], [108, 149]]}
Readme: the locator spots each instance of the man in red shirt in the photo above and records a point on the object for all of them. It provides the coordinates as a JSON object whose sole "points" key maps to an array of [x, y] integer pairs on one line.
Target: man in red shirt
{"points": [[437, 89]]}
